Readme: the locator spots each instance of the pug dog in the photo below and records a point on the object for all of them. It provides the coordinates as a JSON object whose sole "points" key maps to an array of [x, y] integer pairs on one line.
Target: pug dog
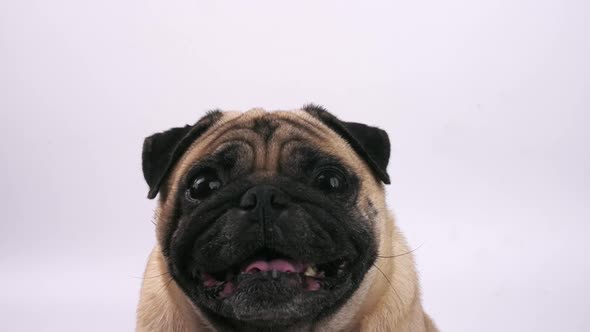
{"points": [[275, 221]]}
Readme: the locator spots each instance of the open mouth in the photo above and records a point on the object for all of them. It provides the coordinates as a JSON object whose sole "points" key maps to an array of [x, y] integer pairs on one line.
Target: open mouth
{"points": [[267, 269]]}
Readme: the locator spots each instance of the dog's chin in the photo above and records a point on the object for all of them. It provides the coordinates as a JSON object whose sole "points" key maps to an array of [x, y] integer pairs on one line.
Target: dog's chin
{"points": [[271, 290]]}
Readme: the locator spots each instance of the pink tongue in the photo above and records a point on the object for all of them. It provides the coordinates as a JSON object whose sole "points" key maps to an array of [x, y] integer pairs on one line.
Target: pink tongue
{"points": [[281, 265]]}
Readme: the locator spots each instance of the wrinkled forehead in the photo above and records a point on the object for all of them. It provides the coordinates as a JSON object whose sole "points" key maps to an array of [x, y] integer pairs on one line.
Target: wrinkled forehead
{"points": [[268, 142]]}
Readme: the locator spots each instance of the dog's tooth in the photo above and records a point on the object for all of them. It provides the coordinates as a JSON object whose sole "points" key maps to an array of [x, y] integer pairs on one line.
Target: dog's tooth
{"points": [[311, 271], [275, 274]]}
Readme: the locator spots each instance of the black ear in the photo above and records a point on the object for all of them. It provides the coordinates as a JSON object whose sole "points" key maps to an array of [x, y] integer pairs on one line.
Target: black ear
{"points": [[161, 151], [370, 143]]}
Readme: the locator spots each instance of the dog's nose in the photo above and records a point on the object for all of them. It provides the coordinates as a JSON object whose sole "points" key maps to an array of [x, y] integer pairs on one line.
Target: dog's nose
{"points": [[264, 197]]}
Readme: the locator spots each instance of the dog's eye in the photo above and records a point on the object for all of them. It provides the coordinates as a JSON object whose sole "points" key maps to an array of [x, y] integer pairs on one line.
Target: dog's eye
{"points": [[330, 180], [203, 185]]}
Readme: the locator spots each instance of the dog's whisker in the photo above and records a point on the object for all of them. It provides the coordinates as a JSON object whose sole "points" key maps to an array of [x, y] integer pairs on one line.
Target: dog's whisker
{"points": [[165, 286], [154, 277], [392, 287], [402, 254]]}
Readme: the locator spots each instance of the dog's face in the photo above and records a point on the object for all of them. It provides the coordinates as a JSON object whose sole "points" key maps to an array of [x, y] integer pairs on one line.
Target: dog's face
{"points": [[267, 219]]}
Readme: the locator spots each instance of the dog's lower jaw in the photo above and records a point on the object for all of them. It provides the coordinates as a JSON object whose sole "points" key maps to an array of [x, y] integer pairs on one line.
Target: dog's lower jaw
{"points": [[381, 305]]}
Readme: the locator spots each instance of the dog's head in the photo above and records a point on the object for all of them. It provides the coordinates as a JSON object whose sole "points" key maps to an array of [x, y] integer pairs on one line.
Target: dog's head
{"points": [[268, 219]]}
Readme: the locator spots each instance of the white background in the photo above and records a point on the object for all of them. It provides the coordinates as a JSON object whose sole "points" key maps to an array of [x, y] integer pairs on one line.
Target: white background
{"points": [[486, 104]]}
